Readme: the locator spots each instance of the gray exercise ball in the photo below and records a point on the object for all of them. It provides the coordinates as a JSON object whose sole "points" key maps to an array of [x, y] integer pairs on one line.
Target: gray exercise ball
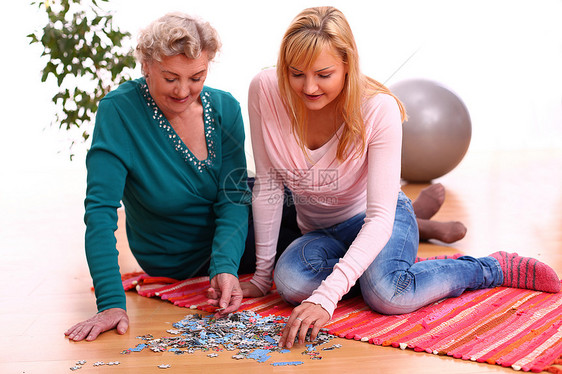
{"points": [[437, 133]]}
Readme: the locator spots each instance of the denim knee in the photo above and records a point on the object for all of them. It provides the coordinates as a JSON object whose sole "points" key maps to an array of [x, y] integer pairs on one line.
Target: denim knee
{"points": [[291, 275], [305, 264], [290, 287], [389, 299]]}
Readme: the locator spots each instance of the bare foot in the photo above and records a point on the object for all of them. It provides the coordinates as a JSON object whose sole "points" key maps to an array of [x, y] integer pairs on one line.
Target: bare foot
{"points": [[447, 232], [429, 201]]}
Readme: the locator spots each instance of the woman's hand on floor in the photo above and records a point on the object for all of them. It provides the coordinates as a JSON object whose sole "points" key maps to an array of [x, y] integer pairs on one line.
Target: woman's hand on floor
{"points": [[250, 290], [100, 323], [303, 316]]}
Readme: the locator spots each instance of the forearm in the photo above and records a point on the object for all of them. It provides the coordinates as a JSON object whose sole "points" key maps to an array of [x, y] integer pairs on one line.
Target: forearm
{"points": [[267, 209]]}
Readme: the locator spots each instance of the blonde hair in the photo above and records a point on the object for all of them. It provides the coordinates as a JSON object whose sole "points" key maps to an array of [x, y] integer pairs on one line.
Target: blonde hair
{"points": [[176, 33], [309, 33]]}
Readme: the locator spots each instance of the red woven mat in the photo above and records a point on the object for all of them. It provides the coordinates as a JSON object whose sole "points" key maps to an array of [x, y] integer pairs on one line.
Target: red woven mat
{"points": [[510, 327]]}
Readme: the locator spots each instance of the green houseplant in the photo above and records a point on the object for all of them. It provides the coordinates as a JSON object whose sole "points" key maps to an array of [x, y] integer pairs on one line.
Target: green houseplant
{"points": [[86, 56]]}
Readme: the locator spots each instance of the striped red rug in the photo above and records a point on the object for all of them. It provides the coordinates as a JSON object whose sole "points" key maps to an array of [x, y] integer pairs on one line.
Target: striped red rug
{"points": [[510, 327]]}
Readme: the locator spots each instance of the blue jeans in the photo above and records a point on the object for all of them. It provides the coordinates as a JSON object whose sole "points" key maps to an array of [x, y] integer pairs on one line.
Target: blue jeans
{"points": [[393, 283]]}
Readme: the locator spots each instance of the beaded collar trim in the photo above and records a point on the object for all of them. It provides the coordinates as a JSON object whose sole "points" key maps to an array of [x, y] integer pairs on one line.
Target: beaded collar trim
{"points": [[175, 140]]}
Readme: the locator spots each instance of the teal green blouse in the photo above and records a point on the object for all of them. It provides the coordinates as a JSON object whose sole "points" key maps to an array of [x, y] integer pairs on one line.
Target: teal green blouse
{"points": [[181, 212]]}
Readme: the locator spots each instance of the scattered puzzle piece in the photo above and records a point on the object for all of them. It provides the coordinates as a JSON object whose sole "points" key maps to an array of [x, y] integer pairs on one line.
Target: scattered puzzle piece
{"points": [[287, 363]]}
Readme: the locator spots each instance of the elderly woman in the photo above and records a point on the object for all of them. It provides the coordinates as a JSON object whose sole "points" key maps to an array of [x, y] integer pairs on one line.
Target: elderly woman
{"points": [[172, 150]]}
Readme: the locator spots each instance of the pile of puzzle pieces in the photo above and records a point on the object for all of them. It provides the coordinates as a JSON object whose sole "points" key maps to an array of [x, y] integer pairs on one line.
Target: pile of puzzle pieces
{"points": [[253, 336]]}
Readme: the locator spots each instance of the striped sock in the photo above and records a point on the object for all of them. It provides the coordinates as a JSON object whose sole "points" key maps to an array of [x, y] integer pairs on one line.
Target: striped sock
{"points": [[526, 272]]}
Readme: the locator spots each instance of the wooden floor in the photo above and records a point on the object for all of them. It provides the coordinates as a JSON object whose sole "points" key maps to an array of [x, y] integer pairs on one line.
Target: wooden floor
{"points": [[508, 200]]}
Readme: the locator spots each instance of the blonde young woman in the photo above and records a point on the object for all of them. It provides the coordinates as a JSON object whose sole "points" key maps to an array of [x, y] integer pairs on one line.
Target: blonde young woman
{"points": [[333, 137]]}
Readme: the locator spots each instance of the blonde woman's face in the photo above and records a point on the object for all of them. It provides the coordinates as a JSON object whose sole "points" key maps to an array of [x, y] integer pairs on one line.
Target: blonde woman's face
{"points": [[322, 82], [176, 82]]}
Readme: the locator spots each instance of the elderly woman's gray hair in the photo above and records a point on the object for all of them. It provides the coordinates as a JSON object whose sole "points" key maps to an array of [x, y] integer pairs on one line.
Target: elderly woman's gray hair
{"points": [[176, 33]]}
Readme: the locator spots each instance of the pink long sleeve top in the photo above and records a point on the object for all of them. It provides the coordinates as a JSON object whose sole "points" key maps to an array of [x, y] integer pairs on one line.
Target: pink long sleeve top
{"points": [[326, 191]]}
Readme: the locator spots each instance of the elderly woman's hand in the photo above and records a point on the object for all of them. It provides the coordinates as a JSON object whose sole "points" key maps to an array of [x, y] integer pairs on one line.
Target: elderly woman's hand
{"points": [[225, 292], [101, 322]]}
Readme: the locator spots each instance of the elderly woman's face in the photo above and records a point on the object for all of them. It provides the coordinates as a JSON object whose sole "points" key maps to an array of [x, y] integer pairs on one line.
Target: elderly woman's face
{"points": [[176, 82]]}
